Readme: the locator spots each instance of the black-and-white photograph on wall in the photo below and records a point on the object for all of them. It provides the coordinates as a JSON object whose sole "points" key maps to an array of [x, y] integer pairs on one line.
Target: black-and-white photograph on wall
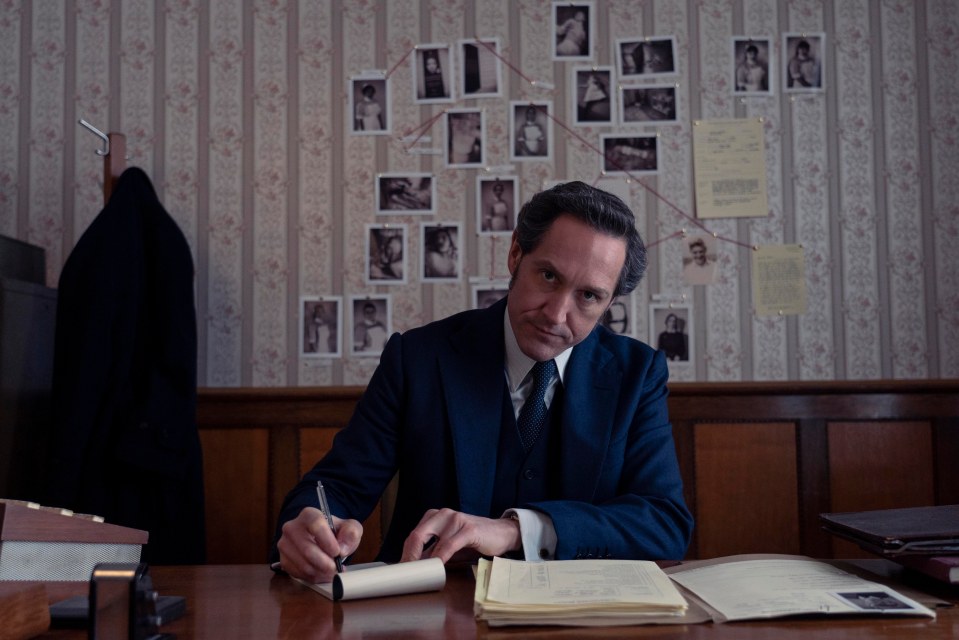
{"points": [[465, 138], [497, 202], [591, 93], [442, 257], [670, 326], [320, 322], [482, 68], [370, 105], [648, 105], [386, 253], [371, 318], [432, 73], [638, 58], [751, 68], [803, 62], [488, 293], [574, 30], [618, 318], [532, 131], [700, 262], [403, 193], [629, 155]]}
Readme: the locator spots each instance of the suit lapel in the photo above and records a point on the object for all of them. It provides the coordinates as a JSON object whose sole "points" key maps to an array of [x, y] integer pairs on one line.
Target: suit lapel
{"points": [[473, 382], [591, 387]]}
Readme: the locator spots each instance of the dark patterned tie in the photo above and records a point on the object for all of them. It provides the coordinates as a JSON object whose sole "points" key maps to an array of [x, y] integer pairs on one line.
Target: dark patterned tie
{"points": [[532, 416]]}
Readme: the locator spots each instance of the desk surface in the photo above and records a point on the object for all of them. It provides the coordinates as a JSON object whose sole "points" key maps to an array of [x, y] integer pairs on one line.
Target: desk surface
{"points": [[248, 601]]}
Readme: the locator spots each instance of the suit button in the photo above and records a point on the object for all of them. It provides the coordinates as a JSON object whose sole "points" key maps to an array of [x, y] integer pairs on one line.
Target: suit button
{"points": [[544, 554], [529, 474]]}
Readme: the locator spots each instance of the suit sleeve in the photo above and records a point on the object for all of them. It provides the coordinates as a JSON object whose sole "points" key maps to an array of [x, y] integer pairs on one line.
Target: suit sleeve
{"points": [[363, 458], [639, 512]]}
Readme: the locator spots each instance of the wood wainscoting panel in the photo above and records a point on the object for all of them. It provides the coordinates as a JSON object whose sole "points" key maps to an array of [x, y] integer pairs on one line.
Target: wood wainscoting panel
{"points": [[879, 465], [746, 488], [314, 444], [235, 475]]}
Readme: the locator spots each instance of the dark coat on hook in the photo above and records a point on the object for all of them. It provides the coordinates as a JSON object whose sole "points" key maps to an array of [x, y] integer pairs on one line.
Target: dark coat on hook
{"points": [[125, 443]]}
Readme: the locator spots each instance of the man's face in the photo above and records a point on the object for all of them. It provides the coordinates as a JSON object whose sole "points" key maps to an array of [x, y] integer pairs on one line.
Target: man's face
{"points": [[699, 254], [561, 289]]}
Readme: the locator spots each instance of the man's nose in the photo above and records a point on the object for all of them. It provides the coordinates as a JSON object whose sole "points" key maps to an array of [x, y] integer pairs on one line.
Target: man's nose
{"points": [[557, 307]]}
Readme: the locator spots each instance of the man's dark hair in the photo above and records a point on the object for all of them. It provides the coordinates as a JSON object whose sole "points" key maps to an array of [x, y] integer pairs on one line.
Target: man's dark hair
{"points": [[802, 45], [752, 49], [599, 209]]}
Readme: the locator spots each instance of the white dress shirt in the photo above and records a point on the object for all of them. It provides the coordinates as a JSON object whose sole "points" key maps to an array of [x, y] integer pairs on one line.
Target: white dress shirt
{"points": [[536, 529]]}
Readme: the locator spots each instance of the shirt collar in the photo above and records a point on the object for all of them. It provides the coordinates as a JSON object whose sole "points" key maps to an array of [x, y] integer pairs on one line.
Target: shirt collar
{"points": [[518, 364]]}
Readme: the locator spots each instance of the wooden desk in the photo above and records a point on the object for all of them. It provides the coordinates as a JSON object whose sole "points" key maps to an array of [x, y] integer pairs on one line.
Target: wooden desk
{"points": [[248, 601]]}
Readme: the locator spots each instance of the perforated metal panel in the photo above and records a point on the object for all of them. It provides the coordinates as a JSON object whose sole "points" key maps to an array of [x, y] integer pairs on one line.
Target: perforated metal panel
{"points": [[59, 561]]}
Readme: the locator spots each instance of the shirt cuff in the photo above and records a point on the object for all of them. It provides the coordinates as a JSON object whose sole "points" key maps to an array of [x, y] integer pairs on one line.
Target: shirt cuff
{"points": [[537, 533]]}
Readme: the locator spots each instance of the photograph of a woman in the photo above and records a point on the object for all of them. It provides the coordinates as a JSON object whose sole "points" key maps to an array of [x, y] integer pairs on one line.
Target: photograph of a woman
{"points": [[669, 329], [441, 254], [320, 320], [432, 68], [573, 29], [496, 204], [369, 104]]}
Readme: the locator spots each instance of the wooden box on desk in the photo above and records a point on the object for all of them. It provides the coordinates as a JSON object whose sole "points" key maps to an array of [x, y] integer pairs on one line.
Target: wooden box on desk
{"points": [[43, 544]]}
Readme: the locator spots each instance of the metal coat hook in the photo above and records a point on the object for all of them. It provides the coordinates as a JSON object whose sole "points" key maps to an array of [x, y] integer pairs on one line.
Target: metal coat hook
{"points": [[105, 150]]}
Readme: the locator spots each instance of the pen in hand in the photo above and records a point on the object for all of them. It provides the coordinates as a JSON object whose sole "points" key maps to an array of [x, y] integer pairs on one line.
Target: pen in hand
{"points": [[325, 508]]}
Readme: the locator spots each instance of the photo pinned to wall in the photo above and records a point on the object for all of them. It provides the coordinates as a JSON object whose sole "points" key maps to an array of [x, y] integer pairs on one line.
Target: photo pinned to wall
{"points": [[618, 318], [403, 193], [372, 321], [654, 104], [442, 258], [532, 130], [638, 58], [489, 292], [701, 261], [320, 320], [629, 155], [591, 92], [574, 29], [370, 105], [803, 62], [618, 186], [497, 203], [751, 68], [482, 68], [386, 253], [465, 131], [670, 326], [432, 73]]}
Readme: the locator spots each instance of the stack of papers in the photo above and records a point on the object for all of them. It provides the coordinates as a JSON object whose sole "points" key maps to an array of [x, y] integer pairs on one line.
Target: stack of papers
{"points": [[753, 587], [575, 593]]}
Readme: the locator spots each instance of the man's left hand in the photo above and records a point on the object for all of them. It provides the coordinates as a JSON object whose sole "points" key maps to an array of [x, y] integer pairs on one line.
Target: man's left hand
{"points": [[448, 534]]}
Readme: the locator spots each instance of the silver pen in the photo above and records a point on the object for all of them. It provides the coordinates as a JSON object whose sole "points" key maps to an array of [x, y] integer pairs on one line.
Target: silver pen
{"points": [[325, 508]]}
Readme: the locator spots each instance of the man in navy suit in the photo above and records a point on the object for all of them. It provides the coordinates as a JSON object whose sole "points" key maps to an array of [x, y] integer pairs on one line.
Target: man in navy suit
{"points": [[443, 407]]}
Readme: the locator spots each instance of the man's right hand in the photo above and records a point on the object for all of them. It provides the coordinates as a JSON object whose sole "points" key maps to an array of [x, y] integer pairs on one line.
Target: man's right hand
{"points": [[307, 546]]}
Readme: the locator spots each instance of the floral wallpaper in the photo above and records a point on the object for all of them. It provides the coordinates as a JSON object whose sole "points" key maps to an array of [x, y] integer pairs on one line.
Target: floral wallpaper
{"points": [[243, 114]]}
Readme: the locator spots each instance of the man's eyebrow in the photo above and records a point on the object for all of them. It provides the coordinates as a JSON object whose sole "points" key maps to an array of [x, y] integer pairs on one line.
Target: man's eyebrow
{"points": [[599, 291]]}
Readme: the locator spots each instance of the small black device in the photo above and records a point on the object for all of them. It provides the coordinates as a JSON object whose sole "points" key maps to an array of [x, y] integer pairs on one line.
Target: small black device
{"points": [[122, 605]]}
